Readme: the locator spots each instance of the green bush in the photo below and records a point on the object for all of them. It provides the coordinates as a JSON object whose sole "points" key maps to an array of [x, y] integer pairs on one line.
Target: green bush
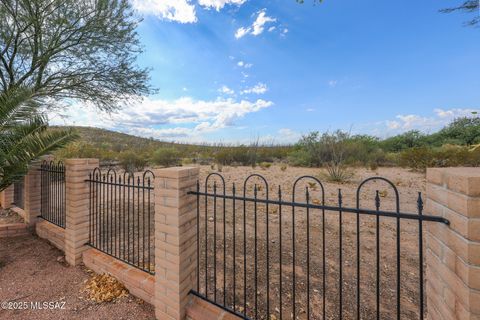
{"points": [[265, 165], [166, 157], [132, 161], [445, 156]]}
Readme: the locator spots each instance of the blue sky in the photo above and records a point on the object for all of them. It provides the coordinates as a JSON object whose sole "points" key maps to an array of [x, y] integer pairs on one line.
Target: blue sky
{"points": [[235, 70]]}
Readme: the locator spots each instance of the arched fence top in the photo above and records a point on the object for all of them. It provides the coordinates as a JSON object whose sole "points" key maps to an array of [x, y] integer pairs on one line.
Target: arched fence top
{"points": [[377, 199], [214, 174], [52, 166], [322, 206], [255, 175], [122, 178], [306, 178]]}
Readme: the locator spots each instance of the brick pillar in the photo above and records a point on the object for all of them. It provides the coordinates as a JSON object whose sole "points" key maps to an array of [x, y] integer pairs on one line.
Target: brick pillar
{"points": [[6, 197], [175, 240], [77, 202], [453, 252], [32, 192]]}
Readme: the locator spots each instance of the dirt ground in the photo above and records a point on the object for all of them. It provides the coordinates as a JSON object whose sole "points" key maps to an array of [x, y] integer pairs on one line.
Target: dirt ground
{"points": [[255, 250], [31, 270]]}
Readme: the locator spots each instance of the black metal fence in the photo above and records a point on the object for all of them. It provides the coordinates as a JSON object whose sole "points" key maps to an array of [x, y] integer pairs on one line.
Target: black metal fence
{"points": [[19, 194], [52, 192], [263, 258], [121, 216]]}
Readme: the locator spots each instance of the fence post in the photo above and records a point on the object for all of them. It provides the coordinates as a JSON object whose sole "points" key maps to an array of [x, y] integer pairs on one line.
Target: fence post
{"points": [[32, 191], [453, 252], [175, 240], [6, 197], [77, 207]]}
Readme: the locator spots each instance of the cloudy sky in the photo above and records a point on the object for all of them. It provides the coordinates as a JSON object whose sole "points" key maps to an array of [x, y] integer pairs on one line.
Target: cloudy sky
{"points": [[235, 70]]}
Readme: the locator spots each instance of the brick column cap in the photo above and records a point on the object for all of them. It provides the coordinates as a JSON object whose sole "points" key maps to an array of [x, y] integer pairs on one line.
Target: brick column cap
{"points": [[465, 180], [176, 172], [81, 161]]}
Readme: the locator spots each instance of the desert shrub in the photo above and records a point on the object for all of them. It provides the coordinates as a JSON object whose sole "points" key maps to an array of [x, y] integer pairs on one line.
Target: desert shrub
{"points": [[373, 166], [283, 167], [417, 158], [445, 156], [187, 161], [340, 174], [82, 149], [300, 158], [166, 157], [265, 165], [132, 161], [407, 140], [461, 131]]}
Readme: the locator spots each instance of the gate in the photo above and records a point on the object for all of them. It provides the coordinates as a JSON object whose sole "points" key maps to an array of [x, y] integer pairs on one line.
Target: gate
{"points": [[328, 256], [121, 216], [18, 193], [52, 190]]}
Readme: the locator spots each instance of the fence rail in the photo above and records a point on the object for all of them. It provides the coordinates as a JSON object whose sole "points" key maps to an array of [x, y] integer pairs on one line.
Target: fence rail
{"points": [[320, 261], [52, 198], [121, 216]]}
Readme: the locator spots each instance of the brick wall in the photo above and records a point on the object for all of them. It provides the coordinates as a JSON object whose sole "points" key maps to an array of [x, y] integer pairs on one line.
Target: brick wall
{"points": [[453, 252], [6, 197], [13, 230], [54, 234], [138, 282], [199, 309]]}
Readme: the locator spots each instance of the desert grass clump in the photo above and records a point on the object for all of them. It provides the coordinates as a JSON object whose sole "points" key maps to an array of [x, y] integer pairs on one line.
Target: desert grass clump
{"points": [[265, 165], [337, 173]]}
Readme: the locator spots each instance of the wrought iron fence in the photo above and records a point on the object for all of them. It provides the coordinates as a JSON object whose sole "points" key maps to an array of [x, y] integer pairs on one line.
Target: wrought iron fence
{"points": [[18, 193], [316, 259], [121, 216], [52, 192]]}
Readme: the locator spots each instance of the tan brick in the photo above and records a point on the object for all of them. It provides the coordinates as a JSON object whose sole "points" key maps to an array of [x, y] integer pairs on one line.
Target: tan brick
{"points": [[77, 207], [175, 236], [462, 180]]}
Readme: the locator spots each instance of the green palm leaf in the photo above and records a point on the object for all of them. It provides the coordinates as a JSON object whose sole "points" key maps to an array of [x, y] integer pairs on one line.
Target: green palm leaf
{"points": [[24, 135]]}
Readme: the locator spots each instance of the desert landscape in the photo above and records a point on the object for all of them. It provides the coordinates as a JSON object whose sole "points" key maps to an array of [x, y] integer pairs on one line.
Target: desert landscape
{"points": [[408, 184]]}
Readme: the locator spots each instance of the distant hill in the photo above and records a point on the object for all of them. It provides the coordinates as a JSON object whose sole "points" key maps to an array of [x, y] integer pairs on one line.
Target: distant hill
{"points": [[98, 136]]}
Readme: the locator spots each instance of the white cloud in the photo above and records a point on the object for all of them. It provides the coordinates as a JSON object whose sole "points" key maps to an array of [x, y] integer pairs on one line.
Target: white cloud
{"points": [[244, 64], [226, 90], [332, 83], [182, 11], [288, 135], [183, 117], [258, 25], [271, 28], [259, 88], [440, 118], [282, 136], [310, 110], [219, 4], [241, 32]]}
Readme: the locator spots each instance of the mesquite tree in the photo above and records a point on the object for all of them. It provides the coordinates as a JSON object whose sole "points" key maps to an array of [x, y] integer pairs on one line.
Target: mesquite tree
{"points": [[66, 50]]}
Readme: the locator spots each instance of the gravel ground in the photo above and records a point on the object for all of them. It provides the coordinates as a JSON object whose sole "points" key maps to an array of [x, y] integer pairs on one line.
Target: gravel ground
{"points": [[408, 184], [31, 270]]}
